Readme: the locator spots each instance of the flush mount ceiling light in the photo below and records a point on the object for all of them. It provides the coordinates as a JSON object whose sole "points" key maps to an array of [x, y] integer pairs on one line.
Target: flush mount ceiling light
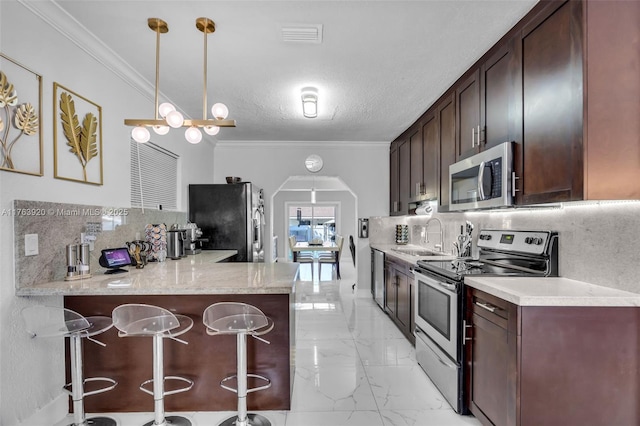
{"points": [[310, 102], [166, 115]]}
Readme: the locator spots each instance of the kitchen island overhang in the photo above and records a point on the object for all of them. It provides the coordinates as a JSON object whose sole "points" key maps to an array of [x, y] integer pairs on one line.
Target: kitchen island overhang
{"points": [[187, 286]]}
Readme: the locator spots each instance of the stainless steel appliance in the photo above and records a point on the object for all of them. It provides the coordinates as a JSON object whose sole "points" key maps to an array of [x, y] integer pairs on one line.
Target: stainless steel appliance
{"points": [[78, 261], [193, 240], [439, 292], [231, 217], [485, 180], [175, 244], [377, 276]]}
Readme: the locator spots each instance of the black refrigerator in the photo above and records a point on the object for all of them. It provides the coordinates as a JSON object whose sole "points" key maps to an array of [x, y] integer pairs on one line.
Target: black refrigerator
{"points": [[231, 217]]}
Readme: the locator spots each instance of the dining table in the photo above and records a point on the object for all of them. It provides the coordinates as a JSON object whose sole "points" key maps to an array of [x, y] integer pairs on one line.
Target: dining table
{"points": [[329, 246]]}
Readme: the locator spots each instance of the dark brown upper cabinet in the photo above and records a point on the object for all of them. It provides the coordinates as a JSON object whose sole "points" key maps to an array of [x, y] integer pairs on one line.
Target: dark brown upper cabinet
{"points": [[468, 116], [399, 176], [580, 103], [487, 101], [552, 106], [416, 182], [446, 115], [394, 187], [563, 85], [500, 96], [430, 156]]}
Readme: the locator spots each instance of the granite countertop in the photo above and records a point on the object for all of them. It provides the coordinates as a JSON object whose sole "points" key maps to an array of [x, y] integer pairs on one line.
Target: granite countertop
{"points": [[195, 274], [530, 291], [392, 250]]}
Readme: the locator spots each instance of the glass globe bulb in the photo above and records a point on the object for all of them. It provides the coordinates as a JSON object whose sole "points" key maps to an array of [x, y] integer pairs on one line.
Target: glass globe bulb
{"points": [[165, 108], [174, 119], [140, 134], [161, 130], [212, 130], [219, 111], [193, 135]]}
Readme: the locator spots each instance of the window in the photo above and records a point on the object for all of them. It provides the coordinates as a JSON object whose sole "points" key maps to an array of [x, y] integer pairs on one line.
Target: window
{"points": [[154, 176], [309, 221]]}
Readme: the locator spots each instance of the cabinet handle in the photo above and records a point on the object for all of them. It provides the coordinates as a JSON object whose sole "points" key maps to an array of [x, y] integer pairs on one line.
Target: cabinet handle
{"points": [[395, 206], [486, 306], [473, 137], [464, 332], [514, 178], [417, 189], [479, 137]]}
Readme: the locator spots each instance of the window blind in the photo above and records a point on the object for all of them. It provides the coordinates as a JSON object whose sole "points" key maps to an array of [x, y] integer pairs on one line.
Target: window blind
{"points": [[154, 176]]}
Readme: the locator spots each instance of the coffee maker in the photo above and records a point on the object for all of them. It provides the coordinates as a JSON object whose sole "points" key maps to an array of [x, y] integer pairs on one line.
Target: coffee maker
{"points": [[78, 259], [193, 242]]}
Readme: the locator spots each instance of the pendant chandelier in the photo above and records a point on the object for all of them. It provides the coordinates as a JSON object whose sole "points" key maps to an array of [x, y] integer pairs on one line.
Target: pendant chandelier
{"points": [[166, 115]]}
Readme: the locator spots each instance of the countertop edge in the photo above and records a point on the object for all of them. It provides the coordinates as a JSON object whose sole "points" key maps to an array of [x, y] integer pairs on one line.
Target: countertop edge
{"points": [[607, 297], [388, 250], [203, 275]]}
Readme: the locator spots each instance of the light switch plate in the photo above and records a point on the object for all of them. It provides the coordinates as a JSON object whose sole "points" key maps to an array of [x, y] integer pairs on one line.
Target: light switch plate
{"points": [[30, 244]]}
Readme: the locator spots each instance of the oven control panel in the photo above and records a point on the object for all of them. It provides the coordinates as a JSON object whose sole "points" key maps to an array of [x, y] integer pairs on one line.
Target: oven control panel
{"points": [[531, 242]]}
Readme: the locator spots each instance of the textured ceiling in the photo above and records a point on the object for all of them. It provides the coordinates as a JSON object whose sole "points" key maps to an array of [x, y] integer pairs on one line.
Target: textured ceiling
{"points": [[379, 67]]}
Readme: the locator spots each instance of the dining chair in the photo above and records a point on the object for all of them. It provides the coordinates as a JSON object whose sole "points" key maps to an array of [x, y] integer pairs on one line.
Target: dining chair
{"points": [[301, 257], [332, 259]]}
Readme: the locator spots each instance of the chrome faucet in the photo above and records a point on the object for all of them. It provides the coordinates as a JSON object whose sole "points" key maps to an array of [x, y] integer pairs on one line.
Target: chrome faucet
{"points": [[436, 246]]}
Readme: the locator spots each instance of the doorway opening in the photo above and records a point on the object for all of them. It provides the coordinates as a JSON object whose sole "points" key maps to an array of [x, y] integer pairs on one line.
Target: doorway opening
{"points": [[312, 222]]}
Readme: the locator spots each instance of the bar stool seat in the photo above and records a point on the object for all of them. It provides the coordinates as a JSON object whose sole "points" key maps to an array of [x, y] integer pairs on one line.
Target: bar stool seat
{"points": [[242, 320], [139, 320], [51, 321]]}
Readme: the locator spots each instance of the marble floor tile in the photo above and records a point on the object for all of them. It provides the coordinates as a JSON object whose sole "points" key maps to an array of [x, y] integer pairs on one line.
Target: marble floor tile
{"points": [[386, 351], [326, 352], [404, 388], [444, 417], [333, 388], [322, 328], [377, 328], [334, 418]]}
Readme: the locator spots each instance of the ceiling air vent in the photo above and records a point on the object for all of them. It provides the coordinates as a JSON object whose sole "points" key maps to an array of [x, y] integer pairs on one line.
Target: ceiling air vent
{"points": [[302, 33]]}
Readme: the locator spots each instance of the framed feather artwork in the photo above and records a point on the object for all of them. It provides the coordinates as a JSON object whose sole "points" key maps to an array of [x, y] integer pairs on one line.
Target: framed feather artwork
{"points": [[77, 137], [20, 118]]}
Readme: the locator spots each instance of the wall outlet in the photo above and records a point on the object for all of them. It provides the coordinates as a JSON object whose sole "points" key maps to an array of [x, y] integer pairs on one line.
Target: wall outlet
{"points": [[30, 244]]}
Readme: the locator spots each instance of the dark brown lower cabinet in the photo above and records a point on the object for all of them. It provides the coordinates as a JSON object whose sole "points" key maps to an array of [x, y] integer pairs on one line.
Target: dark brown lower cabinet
{"points": [[552, 365], [399, 296]]}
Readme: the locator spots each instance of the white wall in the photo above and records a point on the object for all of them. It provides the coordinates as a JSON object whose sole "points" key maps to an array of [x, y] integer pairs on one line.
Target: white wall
{"points": [[32, 371], [363, 167]]}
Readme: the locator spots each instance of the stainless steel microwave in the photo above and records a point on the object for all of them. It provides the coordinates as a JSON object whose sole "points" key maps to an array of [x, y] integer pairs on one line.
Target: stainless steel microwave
{"points": [[483, 180]]}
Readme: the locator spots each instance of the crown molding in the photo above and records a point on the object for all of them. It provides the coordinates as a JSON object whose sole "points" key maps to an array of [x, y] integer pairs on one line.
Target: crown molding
{"points": [[315, 144], [57, 18]]}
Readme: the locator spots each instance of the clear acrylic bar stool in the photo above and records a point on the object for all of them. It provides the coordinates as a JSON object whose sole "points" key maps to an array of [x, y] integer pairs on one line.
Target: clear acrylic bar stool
{"points": [[51, 321], [242, 320], [137, 320]]}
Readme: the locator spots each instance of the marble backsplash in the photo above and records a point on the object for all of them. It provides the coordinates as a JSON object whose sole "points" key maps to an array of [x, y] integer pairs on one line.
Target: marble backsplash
{"points": [[58, 224], [599, 242]]}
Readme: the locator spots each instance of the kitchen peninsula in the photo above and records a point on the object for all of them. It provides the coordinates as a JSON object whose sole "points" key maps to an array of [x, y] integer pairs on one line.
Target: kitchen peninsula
{"points": [[186, 286]]}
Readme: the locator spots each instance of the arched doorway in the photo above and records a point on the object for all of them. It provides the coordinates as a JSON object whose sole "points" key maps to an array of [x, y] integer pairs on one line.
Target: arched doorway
{"points": [[329, 190]]}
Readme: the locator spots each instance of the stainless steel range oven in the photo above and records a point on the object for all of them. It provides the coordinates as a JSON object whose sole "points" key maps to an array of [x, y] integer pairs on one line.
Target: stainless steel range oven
{"points": [[439, 305]]}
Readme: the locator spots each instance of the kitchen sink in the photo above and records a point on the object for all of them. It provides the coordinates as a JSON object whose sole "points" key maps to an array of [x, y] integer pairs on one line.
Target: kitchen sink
{"points": [[417, 252]]}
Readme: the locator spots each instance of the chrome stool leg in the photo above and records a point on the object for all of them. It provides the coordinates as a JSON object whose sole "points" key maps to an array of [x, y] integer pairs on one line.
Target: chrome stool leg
{"points": [[243, 418], [77, 387], [158, 389]]}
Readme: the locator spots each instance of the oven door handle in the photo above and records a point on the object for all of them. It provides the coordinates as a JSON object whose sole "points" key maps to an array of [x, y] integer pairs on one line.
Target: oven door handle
{"points": [[450, 287]]}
